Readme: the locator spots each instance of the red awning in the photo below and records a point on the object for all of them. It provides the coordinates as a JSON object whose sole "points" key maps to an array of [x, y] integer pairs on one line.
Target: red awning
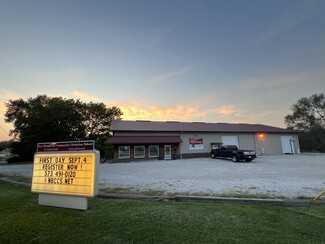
{"points": [[118, 140]]}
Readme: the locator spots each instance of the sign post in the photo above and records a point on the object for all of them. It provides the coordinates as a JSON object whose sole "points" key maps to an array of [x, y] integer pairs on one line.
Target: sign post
{"points": [[65, 173]]}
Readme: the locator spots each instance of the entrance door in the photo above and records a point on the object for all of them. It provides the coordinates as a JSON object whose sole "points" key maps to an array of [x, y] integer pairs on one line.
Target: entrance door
{"points": [[288, 145], [168, 152]]}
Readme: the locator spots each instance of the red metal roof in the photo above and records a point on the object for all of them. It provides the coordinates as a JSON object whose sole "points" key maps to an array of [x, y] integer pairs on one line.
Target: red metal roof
{"points": [[174, 126], [143, 139]]}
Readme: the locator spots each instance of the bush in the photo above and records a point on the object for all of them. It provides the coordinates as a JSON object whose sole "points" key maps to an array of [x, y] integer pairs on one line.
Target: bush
{"points": [[17, 159], [313, 140], [12, 160]]}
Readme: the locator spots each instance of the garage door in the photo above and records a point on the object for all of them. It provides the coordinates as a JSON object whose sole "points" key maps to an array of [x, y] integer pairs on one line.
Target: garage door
{"points": [[288, 146], [230, 140]]}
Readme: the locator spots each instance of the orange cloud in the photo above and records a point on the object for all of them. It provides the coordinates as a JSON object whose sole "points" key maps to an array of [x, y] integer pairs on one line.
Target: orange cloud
{"points": [[5, 97], [3, 107], [5, 127], [227, 110], [224, 111], [85, 97], [145, 110], [189, 112]]}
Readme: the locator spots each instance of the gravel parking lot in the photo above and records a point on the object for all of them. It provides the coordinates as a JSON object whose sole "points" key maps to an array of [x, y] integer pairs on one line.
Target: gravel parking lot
{"points": [[286, 175]]}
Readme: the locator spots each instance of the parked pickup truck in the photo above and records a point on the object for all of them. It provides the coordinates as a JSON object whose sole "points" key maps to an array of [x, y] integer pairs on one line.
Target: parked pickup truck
{"points": [[232, 151]]}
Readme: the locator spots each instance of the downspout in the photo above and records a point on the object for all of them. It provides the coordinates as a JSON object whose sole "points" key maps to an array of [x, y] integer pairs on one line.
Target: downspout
{"points": [[180, 146]]}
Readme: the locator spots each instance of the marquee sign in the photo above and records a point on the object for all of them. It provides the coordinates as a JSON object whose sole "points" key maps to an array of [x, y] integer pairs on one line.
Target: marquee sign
{"points": [[65, 173]]}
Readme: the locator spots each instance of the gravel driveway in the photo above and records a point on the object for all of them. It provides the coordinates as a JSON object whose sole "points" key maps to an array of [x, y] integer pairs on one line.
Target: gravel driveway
{"points": [[286, 175]]}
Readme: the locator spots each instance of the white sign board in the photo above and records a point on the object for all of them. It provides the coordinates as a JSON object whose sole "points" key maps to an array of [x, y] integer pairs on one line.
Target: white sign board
{"points": [[196, 143], [65, 173]]}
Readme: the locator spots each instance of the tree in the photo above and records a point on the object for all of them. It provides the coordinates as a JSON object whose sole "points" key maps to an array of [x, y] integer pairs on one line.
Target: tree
{"points": [[308, 117], [4, 145], [49, 119], [97, 120], [308, 113], [313, 140], [43, 119]]}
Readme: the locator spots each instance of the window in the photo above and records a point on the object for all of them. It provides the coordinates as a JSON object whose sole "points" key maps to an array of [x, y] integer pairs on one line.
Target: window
{"points": [[124, 152], [153, 151], [139, 152]]}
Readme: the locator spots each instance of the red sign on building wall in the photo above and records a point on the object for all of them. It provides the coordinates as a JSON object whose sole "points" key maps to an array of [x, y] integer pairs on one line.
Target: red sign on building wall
{"points": [[196, 143]]}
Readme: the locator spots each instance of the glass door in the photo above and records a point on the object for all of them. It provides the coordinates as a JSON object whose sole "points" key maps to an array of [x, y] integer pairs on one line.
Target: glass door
{"points": [[168, 152]]}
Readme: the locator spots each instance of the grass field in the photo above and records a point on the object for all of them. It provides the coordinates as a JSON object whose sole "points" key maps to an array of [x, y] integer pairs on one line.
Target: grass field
{"points": [[126, 221]]}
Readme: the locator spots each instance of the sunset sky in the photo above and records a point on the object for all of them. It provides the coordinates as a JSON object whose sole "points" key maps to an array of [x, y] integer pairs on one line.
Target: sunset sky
{"points": [[229, 61]]}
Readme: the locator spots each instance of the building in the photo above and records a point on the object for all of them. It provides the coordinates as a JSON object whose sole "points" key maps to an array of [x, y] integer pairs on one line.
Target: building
{"points": [[143, 139]]}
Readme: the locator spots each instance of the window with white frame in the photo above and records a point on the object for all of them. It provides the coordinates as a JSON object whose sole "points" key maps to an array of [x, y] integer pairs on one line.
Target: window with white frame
{"points": [[139, 152], [153, 151], [124, 152]]}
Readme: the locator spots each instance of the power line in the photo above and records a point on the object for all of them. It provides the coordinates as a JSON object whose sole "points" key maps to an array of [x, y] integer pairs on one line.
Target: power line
{"points": [[4, 130]]}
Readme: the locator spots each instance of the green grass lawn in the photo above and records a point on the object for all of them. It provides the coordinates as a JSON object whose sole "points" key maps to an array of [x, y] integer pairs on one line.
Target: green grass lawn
{"points": [[126, 221]]}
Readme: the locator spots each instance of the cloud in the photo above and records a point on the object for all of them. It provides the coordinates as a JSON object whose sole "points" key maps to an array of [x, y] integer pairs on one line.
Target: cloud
{"points": [[289, 20], [227, 114], [179, 112], [163, 77], [273, 117], [7, 95], [85, 97], [228, 110], [145, 110], [193, 112], [277, 79], [233, 114]]}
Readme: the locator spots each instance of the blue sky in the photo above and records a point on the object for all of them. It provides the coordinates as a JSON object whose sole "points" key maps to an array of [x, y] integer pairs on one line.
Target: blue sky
{"points": [[187, 60]]}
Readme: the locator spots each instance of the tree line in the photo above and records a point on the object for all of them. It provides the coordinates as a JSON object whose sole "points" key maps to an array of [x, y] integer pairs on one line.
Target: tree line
{"points": [[50, 119], [308, 118]]}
